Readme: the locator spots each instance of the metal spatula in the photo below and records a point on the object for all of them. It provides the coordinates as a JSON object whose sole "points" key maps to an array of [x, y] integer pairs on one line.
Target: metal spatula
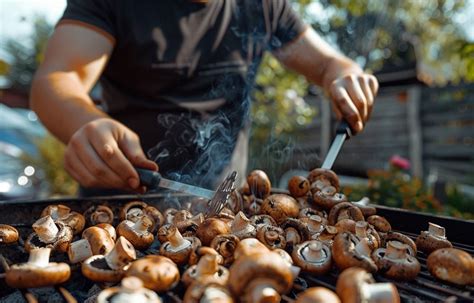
{"points": [[343, 133]]}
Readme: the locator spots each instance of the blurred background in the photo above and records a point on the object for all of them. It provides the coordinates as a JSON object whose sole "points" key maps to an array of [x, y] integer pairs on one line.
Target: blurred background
{"points": [[417, 152]]}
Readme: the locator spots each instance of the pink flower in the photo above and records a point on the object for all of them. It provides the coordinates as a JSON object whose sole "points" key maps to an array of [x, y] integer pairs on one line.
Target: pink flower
{"points": [[399, 162]]}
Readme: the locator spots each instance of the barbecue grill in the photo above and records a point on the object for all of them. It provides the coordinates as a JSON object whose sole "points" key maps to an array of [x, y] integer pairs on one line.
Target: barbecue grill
{"points": [[425, 288]]}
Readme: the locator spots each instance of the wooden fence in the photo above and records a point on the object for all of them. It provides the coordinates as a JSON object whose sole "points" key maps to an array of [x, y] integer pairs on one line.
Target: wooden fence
{"points": [[432, 127]]}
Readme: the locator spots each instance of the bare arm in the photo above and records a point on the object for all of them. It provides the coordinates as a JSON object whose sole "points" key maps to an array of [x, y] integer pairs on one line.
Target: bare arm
{"points": [[100, 151], [351, 90]]}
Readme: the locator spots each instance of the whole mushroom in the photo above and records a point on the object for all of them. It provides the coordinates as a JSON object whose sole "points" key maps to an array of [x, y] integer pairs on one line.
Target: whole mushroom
{"points": [[364, 230], [178, 249], [207, 292], [138, 232], [298, 186], [158, 273], [313, 257], [328, 197], [38, 271], [365, 208], [317, 295], [452, 265], [379, 223], [344, 210], [394, 262], [356, 285], [432, 239], [349, 251], [259, 183], [134, 210], [262, 220], [62, 213], [395, 236], [280, 207], [322, 177], [95, 241], [8, 234], [131, 290], [208, 269], [295, 232], [97, 214], [210, 228], [225, 245], [47, 233], [272, 236]]}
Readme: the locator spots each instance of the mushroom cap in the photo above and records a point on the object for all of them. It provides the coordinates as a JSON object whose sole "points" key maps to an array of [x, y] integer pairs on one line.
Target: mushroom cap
{"points": [[398, 265], [210, 228], [100, 241], [309, 211], [298, 186], [248, 247], [127, 212], [259, 183], [158, 273], [55, 211], [317, 295], [60, 244], [95, 268], [312, 256], [74, 220], [226, 245], [452, 265], [207, 268], [242, 227], [109, 228], [179, 255], [428, 242], [8, 234], [396, 236], [326, 176], [280, 207], [271, 236], [204, 291], [345, 225], [131, 290], [328, 197], [262, 219], [64, 214], [345, 253], [261, 265], [295, 232], [156, 217], [163, 231], [201, 251], [380, 223], [139, 239], [97, 214], [344, 210]]}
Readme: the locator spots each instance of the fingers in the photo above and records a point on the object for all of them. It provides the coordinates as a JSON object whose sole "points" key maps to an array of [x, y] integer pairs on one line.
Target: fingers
{"points": [[130, 145], [347, 108]]}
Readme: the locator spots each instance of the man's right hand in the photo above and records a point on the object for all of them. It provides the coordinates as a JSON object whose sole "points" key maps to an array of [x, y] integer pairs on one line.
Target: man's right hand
{"points": [[103, 153]]}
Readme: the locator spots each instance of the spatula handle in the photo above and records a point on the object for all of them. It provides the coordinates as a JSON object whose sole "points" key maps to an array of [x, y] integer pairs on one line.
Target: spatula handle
{"points": [[148, 178], [344, 128]]}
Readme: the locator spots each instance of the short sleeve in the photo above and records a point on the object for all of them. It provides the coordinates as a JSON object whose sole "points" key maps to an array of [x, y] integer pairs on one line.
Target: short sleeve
{"points": [[283, 21], [98, 15]]}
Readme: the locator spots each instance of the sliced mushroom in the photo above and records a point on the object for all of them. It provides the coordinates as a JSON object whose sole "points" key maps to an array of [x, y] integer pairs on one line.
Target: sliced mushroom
{"points": [[207, 268], [38, 271], [97, 214], [298, 186], [313, 257], [280, 207], [432, 239], [62, 213], [317, 295], [349, 251], [395, 236], [271, 236], [344, 210], [295, 232], [178, 249], [131, 290], [137, 233], [324, 177], [210, 228], [380, 223], [96, 241], [242, 227], [395, 263], [356, 285], [110, 267], [328, 197], [8, 234], [452, 265], [207, 292], [259, 183], [158, 273], [56, 236], [225, 245]]}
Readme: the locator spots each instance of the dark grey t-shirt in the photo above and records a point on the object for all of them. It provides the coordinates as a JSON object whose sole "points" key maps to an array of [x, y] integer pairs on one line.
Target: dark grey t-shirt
{"points": [[180, 72]]}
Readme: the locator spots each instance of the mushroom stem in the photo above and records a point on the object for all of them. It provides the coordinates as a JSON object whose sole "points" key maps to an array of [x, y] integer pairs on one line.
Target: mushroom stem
{"points": [[177, 242], [79, 251], [436, 230], [313, 252], [142, 225], [363, 247], [378, 292], [361, 229], [122, 254], [262, 292], [315, 224], [46, 229], [396, 250], [207, 265], [39, 257]]}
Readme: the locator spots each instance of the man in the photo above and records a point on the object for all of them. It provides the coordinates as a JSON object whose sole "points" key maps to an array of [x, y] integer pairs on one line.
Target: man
{"points": [[176, 77]]}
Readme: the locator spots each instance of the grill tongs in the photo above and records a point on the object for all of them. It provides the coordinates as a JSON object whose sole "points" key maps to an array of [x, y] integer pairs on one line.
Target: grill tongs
{"points": [[217, 199], [343, 132]]}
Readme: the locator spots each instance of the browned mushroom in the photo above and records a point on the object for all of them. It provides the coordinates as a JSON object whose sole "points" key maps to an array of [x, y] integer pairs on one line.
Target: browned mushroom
{"points": [[344, 210], [323, 177], [327, 235], [242, 227], [284, 255], [328, 197], [317, 295], [163, 232], [355, 285], [201, 251], [134, 210], [207, 292], [395, 236], [271, 236], [131, 290], [38, 271], [210, 228], [252, 205], [112, 266], [259, 183], [168, 214], [452, 265], [55, 235], [62, 213], [280, 207], [110, 229], [225, 245], [260, 277], [137, 233], [178, 249], [432, 239], [207, 268], [295, 232], [96, 241], [248, 247], [380, 223], [97, 214], [298, 186], [365, 208], [257, 220], [305, 201], [235, 202], [158, 273], [395, 263], [364, 230], [8, 234], [313, 257], [188, 226], [314, 223], [309, 211], [349, 251], [345, 225]]}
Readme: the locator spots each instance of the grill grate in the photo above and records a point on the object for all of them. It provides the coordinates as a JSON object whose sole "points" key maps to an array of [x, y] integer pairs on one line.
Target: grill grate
{"points": [[424, 288]]}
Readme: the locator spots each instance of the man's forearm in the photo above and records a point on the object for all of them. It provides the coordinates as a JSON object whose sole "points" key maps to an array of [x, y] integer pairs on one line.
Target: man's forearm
{"points": [[62, 103]]}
